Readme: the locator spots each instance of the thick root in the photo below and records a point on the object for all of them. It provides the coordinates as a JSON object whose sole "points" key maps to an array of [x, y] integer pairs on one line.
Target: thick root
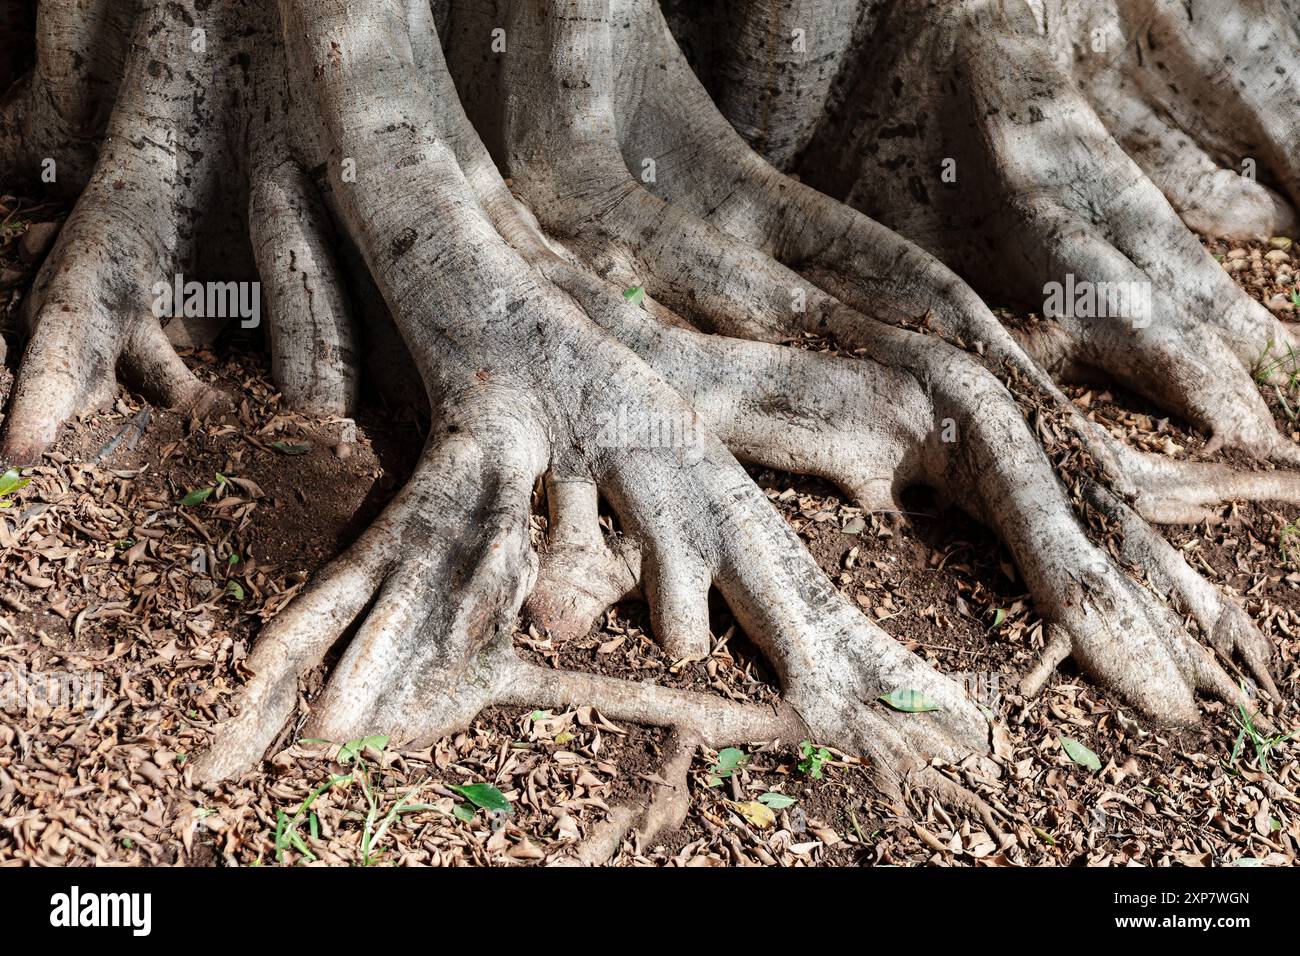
{"points": [[1012, 164], [715, 721], [705, 169], [443, 565], [91, 306], [434, 583], [169, 197], [581, 575], [314, 353], [1182, 492], [926, 412], [1207, 143], [532, 362], [664, 811], [1226, 625], [95, 306], [57, 111]]}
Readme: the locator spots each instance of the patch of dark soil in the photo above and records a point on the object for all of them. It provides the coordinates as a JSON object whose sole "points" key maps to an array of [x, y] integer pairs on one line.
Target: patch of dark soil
{"points": [[322, 491], [935, 580], [627, 756], [621, 644]]}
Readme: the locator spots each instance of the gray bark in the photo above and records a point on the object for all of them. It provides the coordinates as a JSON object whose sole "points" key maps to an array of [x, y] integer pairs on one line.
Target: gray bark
{"points": [[378, 139], [1071, 160]]}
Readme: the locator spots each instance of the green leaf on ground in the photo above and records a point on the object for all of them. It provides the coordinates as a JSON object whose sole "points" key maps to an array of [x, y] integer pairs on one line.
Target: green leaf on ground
{"points": [[485, 795], [1080, 754], [635, 295], [730, 759], [353, 749], [909, 701], [196, 497], [11, 481], [777, 801]]}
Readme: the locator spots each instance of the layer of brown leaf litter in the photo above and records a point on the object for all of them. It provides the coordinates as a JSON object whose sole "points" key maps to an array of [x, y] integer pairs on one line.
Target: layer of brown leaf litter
{"points": [[151, 604]]}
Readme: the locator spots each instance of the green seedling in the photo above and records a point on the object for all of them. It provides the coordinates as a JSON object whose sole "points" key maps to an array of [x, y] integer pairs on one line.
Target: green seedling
{"points": [[814, 759], [376, 822], [10, 482], [1264, 744], [729, 761]]}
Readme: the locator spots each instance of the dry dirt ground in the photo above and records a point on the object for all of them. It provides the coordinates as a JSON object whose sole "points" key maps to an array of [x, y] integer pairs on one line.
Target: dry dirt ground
{"points": [[126, 615]]}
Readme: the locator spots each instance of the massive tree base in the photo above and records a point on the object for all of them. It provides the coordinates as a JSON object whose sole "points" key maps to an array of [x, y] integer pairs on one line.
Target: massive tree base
{"points": [[1049, 142], [366, 158]]}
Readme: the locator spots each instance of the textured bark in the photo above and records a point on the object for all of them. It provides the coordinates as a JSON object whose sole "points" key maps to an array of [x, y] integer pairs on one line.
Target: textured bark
{"points": [[364, 156], [697, 256], [1073, 161], [90, 307], [58, 109]]}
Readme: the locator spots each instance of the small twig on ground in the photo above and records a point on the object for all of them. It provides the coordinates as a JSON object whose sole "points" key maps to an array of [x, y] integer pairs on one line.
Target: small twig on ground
{"points": [[135, 428]]}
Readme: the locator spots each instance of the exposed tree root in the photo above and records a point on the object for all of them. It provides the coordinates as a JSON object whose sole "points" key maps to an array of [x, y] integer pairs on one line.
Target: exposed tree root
{"points": [[581, 574], [313, 347], [435, 646], [358, 168], [1178, 492], [1228, 627], [443, 569], [665, 810], [57, 111], [925, 413], [1161, 95], [1012, 163], [715, 721], [158, 205], [707, 175], [91, 306]]}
